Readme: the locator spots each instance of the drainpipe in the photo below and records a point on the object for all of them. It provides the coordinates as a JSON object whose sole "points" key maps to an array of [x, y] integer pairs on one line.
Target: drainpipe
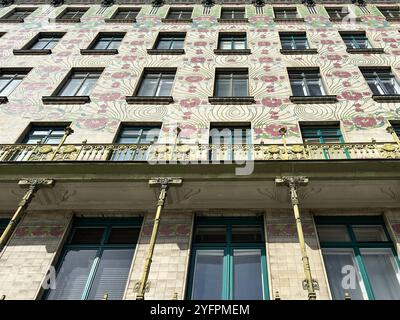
{"points": [[292, 183], [33, 185], [67, 131], [143, 286]]}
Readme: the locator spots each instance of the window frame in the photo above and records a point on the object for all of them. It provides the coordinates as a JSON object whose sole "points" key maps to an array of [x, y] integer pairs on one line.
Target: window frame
{"points": [[380, 81], [39, 35], [161, 72], [356, 35], [337, 15], [233, 37], [320, 135], [302, 34], [390, 10], [67, 10], [161, 35], [8, 15], [228, 248], [232, 72], [304, 82], [68, 77], [101, 35], [125, 9], [234, 11], [286, 11], [349, 223], [38, 126], [17, 72], [181, 11]]}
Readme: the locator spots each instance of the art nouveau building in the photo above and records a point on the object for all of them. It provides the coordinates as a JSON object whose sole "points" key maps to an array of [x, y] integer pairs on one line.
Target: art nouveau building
{"points": [[188, 150]]}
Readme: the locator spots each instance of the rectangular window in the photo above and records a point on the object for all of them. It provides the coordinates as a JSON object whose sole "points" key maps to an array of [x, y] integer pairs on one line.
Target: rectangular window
{"points": [[10, 79], [229, 267], [285, 13], [337, 13], [79, 83], [321, 133], [134, 142], [232, 41], [106, 41], [72, 14], [170, 41], [396, 127], [18, 14], [237, 13], [45, 134], [356, 40], [390, 13], [231, 83], [125, 14], [359, 259], [179, 13], [156, 83], [307, 83], [45, 41], [96, 260], [381, 81], [294, 41]]}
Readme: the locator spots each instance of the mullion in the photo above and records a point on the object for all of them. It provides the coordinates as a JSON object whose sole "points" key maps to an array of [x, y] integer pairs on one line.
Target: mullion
{"points": [[12, 78], [82, 82]]}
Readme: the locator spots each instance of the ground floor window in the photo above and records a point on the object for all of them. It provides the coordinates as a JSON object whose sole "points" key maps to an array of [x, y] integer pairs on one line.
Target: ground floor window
{"points": [[96, 259], [3, 225], [228, 260], [359, 258]]}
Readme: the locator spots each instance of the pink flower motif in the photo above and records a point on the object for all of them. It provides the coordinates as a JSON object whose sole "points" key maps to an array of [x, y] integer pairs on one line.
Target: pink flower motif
{"points": [[187, 130], [98, 123], [365, 121], [350, 95], [271, 102], [265, 60], [120, 75], [269, 78], [198, 60], [129, 58], [200, 43], [190, 103], [273, 130], [389, 40], [137, 43], [109, 96], [342, 74], [193, 78], [328, 42], [333, 57], [115, 85], [264, 43]]}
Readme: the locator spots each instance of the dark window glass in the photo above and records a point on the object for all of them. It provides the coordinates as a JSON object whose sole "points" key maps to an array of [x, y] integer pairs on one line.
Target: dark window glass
{"points": [[381, 81], [232, 41], [391, 13], [107, 42], [126, 14], [87, 236], [246, 234], [232, 13], [179, 14], [80, 83], [306, 83], [120, 235], [9, 80], [156, 84], [18, 14], [44, 42], [45, 135], [396, 127], [337, 13], [70, 14], [294, 41], [170, 41], [356, 41], [210, 234], [283, 13], [321, 134]]}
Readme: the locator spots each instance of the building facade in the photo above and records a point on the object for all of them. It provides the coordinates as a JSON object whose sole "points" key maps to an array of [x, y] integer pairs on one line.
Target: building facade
{"points": [[189, 150]]}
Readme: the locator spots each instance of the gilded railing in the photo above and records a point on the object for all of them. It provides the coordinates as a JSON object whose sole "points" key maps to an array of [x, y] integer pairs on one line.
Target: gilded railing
{"points": [[196, 152]]}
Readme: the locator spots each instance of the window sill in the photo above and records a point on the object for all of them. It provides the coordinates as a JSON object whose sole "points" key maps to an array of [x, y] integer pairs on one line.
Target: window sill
{"points": [[149, 100], [366, 50], [3, 99], [32, 52], [243, 20], [232, 51], [120, 20], [231, 100], [288, 19], [313, 99], [61, 20], [394, 19], [299, 51], [165, 51], [166, 20], [99, 52], [386, 98], [5, 20], [357, 19], [65, 100]]}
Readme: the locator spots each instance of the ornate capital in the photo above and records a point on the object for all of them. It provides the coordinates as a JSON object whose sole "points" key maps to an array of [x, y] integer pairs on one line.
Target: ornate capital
{"points": [[292, 182], [208, 3]]}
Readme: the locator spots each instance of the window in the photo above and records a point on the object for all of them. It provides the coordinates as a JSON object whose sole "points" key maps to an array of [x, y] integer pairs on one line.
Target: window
{"points": [[125, 14], [396, 128], [337, 13], [44, 134], [381, 81], [3, 225], [45, 41], [390, 13], [72, 14], [96, 260], [156, 83], [285, 13], [79, 83], [234, 140], [231, 83], [179, 14], [356, 40], [359, 246], [294, 41], [321, 133], [232, 13], [107, 41], [170, 41], [228, 260], [10, 79], [307, 83], [131, 137], [18, 14], [232, 41]]}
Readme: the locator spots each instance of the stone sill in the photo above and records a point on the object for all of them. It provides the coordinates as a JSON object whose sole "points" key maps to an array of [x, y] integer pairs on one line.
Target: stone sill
{"points": [[33, 52], [299, 51], [166, 20], [386, 98], [313, 99], [5, 20], [149, 100], [288, 19], [120, 20], [61, 20], [99, 52], [65, 100], [231, 100], [366, 50], [232, 51], [3, 99], [165, 51], [244, 20]]}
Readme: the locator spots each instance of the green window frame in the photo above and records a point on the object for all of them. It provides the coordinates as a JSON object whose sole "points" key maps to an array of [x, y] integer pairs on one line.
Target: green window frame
{"points": [[228, 247], [353, 228], [3, 225], [107, 224]]}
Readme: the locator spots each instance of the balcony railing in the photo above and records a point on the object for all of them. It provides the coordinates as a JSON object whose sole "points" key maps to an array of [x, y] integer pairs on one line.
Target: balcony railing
{"points": [[196, 152]]}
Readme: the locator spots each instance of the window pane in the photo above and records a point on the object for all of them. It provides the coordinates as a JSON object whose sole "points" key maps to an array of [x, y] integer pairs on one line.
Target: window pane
{"points": [[207, 278], [369, 233], [165, 87], [124, 235], [315, 88], [86, 87], [71, 88], [343, 274], [223, 88], [111, 274], [7, 87], [210, 234], [73, 275], [87, 236], [101, 44], [383, 273], [240, 88], [297, 88], [246, 234], [333, 233], [148, 87], [248, 278], [163, 44], [177, 44]]}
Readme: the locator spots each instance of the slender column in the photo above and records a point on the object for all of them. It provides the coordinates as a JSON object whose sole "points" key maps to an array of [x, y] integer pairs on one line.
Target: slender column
{"points": [[164, 182], [292, 183], [33, 185], [67, 131]]}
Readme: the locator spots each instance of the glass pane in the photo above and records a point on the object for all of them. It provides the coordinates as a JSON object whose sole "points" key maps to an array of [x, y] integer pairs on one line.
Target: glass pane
{"points": [[247, 234], [177, 44], [70, 88], [383, 273], [163, 44], [208, 275], [297, 88], [343, 274], [240, 88], [369, 233], [124, 235], [239, 45], [248, 277], [8, 87], [223, 88], [225, 44], [210, 234], [72, 277], [315, 88], [165, 87], [332, 233], [87, 236], [111, 274], [114, 44], [148, 87], [101, 44]]}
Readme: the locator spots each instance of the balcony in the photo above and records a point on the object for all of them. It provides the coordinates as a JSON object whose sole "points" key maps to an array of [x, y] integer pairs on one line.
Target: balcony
{"points": [[204, 153]]}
